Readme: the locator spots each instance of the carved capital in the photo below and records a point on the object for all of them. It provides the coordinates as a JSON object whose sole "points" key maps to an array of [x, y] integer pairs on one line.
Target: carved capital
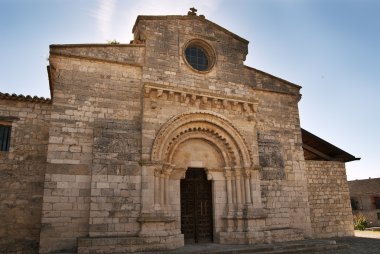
{"points": [[209, 175], [157, 172], [228, 175], [167, 169]]}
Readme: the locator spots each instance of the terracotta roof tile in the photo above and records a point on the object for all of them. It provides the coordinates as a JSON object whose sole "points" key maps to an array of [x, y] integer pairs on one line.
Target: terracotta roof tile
{"points": [[20, 97]]}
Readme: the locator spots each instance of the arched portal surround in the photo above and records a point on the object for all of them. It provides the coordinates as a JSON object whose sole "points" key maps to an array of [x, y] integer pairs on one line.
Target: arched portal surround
{"points": [[201, 122], [226, 151], [204, 139]]}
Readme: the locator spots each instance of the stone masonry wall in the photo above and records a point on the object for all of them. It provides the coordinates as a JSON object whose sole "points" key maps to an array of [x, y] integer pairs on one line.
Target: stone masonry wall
{"points": [[284, 187], [92, 179], [165, 40], [22, 172], [78, 160], [329, 198], [119, 53], [363, 192]]}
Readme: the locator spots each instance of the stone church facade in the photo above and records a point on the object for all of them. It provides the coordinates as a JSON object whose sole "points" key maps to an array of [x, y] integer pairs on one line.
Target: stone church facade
{"points": [[167, 140]]}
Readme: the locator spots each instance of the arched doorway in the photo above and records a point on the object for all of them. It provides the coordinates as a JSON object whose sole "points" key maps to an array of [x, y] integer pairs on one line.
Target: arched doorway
{"points": [[192, 150], [196, 207]]}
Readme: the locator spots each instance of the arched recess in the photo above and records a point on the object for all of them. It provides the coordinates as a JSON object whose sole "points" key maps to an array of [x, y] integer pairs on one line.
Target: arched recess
{"points": [[235, 171], [205, 125]]}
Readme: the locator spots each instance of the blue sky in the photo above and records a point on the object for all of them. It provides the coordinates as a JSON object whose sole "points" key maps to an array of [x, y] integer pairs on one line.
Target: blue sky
{"points": [[329, 47]]}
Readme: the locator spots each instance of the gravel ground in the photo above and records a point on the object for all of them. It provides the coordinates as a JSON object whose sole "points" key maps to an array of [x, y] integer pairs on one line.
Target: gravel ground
{"points": [[364, 242]]}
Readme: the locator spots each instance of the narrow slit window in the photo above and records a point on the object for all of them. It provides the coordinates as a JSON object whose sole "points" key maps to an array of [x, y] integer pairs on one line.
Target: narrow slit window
{"points": [[5, 137]]}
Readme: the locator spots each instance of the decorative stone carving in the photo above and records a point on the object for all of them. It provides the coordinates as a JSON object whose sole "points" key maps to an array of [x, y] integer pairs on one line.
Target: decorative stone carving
{"points": [[209, 175], [157, 172], [205, 123], [155, 91], [236, 158]]}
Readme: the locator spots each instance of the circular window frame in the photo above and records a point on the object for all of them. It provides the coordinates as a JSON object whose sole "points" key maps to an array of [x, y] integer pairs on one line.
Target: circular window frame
{"points": [[207, 49]]}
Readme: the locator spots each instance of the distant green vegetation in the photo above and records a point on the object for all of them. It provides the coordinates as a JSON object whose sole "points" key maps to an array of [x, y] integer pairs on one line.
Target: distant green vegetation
{"points": [[113, 42], [360, 222]]}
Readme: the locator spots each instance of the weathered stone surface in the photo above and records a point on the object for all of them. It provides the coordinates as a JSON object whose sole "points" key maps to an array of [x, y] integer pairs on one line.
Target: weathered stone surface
{"points": [[22, 172], [329, 198], [99, 169], [365, 199]]}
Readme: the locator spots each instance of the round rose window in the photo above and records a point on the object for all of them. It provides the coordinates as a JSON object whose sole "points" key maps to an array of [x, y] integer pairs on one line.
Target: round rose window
{"points": [[199, 55]]}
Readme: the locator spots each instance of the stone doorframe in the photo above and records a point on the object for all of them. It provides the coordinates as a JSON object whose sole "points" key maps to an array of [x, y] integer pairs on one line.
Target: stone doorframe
{"points": [[239, 168]]}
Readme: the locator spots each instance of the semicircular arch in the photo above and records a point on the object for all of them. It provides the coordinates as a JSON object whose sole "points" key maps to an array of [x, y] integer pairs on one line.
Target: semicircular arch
{"points": [[196, 123], [221, 147]]}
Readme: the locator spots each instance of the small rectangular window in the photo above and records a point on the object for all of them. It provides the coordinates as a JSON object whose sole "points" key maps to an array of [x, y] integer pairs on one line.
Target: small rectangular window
{"points": [[376, 202], [354, 204], [378, 216], [5, 137]]}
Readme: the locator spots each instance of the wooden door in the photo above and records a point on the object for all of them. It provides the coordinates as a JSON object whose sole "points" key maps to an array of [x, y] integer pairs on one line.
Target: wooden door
{"points": [[196, 207]]}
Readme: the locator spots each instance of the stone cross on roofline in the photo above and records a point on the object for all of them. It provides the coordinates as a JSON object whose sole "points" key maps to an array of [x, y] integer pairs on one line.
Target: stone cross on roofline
{"points": [[193, 12]]}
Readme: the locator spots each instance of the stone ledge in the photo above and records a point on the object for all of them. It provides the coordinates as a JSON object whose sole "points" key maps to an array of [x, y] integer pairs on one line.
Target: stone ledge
{"points": [[255, 213], [95, 245], [156, 218]]}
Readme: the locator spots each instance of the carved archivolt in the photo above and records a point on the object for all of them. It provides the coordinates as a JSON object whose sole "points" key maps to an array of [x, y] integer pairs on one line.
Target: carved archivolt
{"points": [[206, 129], [208, 126]]}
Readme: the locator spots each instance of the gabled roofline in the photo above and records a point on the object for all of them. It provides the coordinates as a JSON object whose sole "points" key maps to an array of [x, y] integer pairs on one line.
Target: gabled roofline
{"points": [[81, 45], [186, 17], [272, 76], [375, 179], [324, 149]]}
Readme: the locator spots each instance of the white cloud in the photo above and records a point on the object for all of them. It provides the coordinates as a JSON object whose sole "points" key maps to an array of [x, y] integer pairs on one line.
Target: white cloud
{"points": [[104, 15], [115, 18], [128, 11]]}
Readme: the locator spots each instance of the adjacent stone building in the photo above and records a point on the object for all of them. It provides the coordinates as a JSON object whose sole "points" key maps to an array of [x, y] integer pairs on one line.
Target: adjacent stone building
{"points": [[365, 199], [167, 140]]}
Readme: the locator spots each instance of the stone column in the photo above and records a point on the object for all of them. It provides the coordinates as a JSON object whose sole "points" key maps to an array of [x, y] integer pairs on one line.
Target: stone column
{"points": [[229, 187], [166, 174], [162, 188], [157, 174], [229, 195], [237, 186], [247, 175]]}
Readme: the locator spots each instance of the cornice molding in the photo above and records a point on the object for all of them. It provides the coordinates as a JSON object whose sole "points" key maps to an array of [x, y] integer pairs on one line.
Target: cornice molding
{"points": [[156, 91]]}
